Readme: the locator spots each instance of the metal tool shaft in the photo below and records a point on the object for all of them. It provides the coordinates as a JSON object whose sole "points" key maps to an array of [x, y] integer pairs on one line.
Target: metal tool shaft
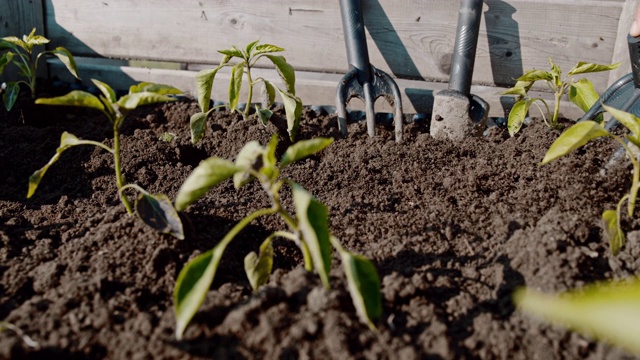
{"points": [[464, 52]]}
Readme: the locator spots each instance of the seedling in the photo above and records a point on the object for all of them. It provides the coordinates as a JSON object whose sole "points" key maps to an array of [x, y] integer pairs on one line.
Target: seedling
{"points": [[20, 53], [581, 92], [154, 209], [248, 59], [583, 132], [607, 311], [25, 338], [309, 230]]}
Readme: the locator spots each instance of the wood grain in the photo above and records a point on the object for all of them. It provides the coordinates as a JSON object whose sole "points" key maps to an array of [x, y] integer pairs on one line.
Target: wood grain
{"points": [[409, 39]]}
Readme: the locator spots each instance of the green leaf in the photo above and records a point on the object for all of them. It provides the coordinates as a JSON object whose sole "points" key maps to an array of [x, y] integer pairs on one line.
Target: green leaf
{"points": [[313, 220], [37, 40], [268, 93], [17, 42], [160, 89], [198, 123], [106, 90], [629, 120], [258, 267], [250, 47], [249, 158], [264, 115], [607, 311], [204, 86], [67, 140], [286, 72], [208, 174], [364, 286], [156, 211], [24, 69], [192, 285], [573, 138], [612, 230], [10, 95], [517, 115], [535, 75], [67, 59], [5, 60], [233, 52], [584, 67], [302, 149], [293, 110], [75, 98], [556, 73], [132, 101], [583, 94], [516, 90], [235, 85], [266, 48], [269, 162]]}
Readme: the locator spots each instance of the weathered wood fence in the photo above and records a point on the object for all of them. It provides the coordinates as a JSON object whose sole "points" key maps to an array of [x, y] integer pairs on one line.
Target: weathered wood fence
{"points": [[410, 39]]}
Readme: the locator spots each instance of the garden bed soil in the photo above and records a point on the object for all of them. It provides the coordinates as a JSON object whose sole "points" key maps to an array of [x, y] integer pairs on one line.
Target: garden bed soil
{"points": [[452, 228]]}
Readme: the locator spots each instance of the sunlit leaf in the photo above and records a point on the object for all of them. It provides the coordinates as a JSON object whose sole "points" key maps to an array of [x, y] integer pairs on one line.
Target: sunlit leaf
{"points": [[584, 67], [160, 89], [313, 219], [75, 98], [198, 123], [250, 47], [629, 120], [612, 230], [266, 48], [302, 149], [208, 174], [249, 158], [269, 163], [157, 212], [67, 59], [583, 94], [10, 95], [192, 286], [235, 85], [67, 140], [132, 101], [5, 60], [607, 311], [37, 40], [17, 42], [535, 75], [573, 138], [258, 267], [286, 72], [364, 286], [556, 73], [293, 110], [517, 115], [234, 52], [516, 90], [204, 86], [106, 90]]}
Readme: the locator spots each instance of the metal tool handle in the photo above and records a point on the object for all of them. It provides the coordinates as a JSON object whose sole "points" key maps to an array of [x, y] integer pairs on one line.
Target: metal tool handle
{"points": [[634, 54], [464, 54], [355, 39]]}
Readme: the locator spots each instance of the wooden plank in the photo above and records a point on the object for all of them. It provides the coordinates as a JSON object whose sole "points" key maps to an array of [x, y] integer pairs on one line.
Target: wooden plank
{"points": [[18, 18], [621, 49], [312, 87], [410, 39]]}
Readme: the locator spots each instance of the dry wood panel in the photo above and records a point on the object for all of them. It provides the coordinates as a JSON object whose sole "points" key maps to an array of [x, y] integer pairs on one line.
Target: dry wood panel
{"points": [[410, 39]]}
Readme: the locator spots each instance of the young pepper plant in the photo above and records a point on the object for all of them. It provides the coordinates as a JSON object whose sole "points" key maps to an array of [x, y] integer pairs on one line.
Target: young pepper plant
{"points": [[248, 59], [581, 92], [155, 210], [583, 132], [20, 53], [309, 230]]}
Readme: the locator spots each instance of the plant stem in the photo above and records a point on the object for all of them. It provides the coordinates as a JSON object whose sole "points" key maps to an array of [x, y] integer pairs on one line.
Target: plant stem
{"points": [[119, 177], [556, 108], [247, 108]]}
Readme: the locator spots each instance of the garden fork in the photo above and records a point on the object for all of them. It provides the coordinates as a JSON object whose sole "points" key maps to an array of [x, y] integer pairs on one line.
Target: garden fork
{"points": [[363, 81]]}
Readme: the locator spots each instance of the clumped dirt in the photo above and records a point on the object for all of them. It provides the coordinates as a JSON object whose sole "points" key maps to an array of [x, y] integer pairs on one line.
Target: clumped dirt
{"points": [[452, 228]]}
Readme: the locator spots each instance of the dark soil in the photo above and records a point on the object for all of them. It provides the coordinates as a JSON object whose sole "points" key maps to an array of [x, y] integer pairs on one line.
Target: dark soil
{"points": [[453, 230]]}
